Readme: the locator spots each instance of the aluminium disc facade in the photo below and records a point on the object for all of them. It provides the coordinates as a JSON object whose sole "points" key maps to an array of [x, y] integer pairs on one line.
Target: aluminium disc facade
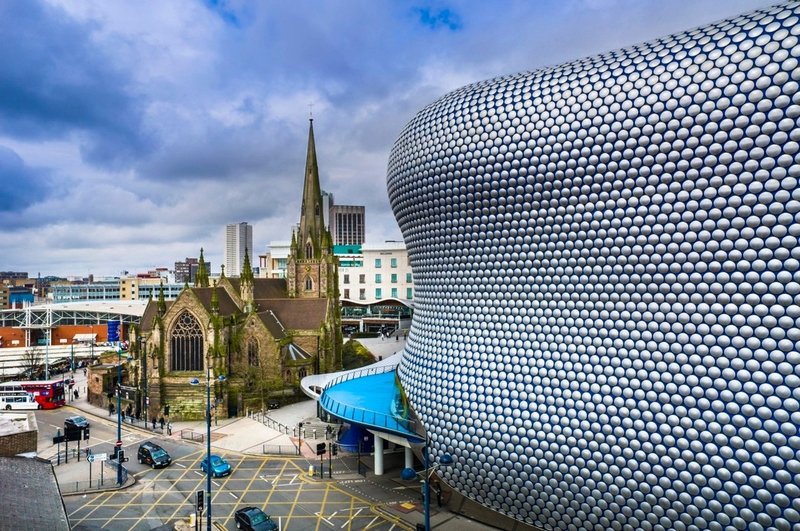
{"points": [[607, 316]]}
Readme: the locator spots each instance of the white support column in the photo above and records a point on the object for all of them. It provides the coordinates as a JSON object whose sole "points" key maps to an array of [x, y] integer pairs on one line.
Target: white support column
{"points": [[409, 455], [378, 456]]}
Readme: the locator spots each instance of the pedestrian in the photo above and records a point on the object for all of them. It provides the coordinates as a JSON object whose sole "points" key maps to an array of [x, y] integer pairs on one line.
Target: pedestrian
{"points": [[154, 422], [169, 428], [110, 408], [84, 371], [161, 421], [76, 394], [437, 488]]}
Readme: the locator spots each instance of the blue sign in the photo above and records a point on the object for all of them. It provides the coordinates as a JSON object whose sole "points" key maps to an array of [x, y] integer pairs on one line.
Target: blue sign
{"points": [[113, 331]]}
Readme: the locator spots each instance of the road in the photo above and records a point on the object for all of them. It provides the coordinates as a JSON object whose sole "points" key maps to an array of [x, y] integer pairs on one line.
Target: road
{"points": [[278, 485]]}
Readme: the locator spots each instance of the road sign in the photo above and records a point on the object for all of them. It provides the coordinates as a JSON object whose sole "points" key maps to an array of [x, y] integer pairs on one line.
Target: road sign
{"points": [[320, 448], [91, 458], [99, 457]]}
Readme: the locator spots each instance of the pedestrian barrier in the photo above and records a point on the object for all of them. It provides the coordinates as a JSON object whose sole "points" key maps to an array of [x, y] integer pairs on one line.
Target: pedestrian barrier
{"points": [[191, 435], [280, 449]]}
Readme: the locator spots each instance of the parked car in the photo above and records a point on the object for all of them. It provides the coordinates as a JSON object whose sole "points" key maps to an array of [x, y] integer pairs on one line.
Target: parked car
{"points": [[254, 519], [75, 422], [152, 454], [219, 467]]}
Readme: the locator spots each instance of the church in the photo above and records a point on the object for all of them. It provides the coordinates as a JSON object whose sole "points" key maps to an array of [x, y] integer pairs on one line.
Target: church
{"points": [[255, 338]]}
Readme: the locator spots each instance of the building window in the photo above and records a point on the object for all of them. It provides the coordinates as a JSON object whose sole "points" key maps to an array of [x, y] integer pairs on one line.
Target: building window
{"points": [[309, 251], [252, 353], [347, 294], [362, 294], [394, 278], [378, 294], [377, 262], [302, 373], [186, 344], [362, 279], [309, 284], [377, 278], [409, 293], [393, 262], [347, 279], [408, 278], [394, 292]]}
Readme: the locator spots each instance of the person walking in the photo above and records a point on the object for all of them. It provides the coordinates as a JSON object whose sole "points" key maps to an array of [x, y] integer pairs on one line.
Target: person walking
{"points": [[154, 422], [161, 421]]}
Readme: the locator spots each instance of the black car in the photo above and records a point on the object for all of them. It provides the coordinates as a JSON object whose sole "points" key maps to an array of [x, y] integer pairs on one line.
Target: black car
{"points": [[254, 518], [75, 422], [153, 455]]}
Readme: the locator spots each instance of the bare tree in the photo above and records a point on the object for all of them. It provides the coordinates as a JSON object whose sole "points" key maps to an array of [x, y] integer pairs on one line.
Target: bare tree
{"points": [[32, 360]]}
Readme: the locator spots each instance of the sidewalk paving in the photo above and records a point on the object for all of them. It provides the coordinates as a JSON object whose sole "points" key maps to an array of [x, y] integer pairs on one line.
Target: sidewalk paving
{"points": [[398, 499]]}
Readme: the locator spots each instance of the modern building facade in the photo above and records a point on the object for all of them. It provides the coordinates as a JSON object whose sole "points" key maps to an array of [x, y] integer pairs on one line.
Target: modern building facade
{"points": [[607, 271], [238, 241], [347, 224]]}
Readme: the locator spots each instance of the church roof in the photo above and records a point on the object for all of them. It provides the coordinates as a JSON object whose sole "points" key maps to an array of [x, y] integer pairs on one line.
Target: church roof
{"points": [[263, 288], [298, 314], [226, 304]]}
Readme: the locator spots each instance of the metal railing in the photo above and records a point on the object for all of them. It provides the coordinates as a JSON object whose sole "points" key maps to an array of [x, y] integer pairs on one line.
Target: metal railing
{"points": [[280, 449], [103, 482], [191, 435], [367, 371]]}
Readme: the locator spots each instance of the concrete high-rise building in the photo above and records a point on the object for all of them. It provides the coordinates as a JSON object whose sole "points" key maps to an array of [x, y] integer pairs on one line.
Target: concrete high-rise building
{"points": [[238, 237], [347, 224], [185, 271]]}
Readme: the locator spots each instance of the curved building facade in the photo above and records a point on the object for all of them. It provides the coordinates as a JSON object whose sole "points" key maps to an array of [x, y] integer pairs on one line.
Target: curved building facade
{"points": [[607, 317]]}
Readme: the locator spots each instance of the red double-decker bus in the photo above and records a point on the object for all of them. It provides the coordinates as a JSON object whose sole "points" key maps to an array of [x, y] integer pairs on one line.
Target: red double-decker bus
{"points": [[49, 394]]}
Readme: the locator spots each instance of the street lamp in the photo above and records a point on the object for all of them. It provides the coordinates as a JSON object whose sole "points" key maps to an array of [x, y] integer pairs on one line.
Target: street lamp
{"points": [[118, 446], [195, 381], [427, 472]]}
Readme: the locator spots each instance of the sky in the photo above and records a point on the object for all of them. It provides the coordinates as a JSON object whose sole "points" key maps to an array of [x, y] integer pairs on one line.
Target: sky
{"points": [[131, 133]]}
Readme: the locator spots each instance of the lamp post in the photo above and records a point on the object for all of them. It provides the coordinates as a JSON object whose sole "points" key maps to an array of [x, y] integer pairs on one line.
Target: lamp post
{"points": [[119, 413], [195, 381], [427, 472]]}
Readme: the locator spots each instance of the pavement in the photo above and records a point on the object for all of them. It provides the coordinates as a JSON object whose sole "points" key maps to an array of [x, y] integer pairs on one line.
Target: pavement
{"points": [[274, 432]]}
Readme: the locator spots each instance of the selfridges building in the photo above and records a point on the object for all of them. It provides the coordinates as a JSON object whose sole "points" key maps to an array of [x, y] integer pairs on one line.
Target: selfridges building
{"points": [[607, 315]]}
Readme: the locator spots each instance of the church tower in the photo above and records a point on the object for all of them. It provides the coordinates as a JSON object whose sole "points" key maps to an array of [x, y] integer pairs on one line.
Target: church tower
{"points": [[310, 268]]}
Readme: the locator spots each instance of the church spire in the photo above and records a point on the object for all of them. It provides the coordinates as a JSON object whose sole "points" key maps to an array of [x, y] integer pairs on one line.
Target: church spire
{"points": [[201, 277], [312, 221]]}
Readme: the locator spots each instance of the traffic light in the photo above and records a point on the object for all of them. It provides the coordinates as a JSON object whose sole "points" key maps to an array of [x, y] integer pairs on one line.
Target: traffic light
{"points": [[320, 448], [200, 494], [334, 448], [85, 434], [121, 456]]}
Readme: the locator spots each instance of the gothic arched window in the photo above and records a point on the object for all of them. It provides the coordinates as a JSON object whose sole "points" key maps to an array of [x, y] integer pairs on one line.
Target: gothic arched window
{"points": [[302, 374], [186, 344], [309, 251], [252, 353], [287, 376], [309, 284]]}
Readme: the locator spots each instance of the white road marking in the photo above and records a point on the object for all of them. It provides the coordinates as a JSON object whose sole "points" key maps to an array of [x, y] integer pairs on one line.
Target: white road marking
{"points": [[347, 522]]}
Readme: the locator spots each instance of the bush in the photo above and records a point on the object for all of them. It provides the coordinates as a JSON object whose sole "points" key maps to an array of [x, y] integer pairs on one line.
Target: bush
{"points": [[355, 355]]}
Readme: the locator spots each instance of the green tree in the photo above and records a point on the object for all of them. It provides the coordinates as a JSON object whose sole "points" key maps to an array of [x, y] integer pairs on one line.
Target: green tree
{"points": [[355, 355]]}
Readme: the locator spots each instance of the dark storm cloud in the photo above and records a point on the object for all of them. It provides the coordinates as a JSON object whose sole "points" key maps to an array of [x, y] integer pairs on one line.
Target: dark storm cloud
{"points": [[54, 82], [20, 185]]}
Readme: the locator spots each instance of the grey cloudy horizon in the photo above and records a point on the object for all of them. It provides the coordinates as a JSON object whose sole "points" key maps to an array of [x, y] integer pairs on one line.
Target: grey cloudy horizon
{"points": [[131, 133]]}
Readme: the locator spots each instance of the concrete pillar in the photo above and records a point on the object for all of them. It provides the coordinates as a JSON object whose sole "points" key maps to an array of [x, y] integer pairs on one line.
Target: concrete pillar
{"points": [[409, 456], [378, 456]]}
